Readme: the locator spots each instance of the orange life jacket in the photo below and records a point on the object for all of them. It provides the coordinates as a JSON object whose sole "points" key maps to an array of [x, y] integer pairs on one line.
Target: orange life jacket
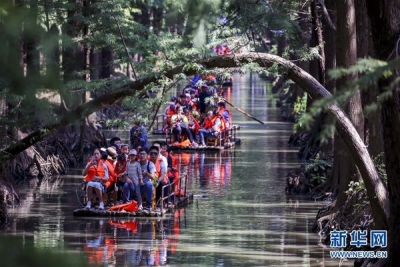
{"points": [[95, 171], [131, 207], [112, 177], [158, 171], [169, 114], [222, 126]]}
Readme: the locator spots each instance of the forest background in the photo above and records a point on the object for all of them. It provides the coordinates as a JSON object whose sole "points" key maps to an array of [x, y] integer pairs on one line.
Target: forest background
{"points": [[61, 61]]}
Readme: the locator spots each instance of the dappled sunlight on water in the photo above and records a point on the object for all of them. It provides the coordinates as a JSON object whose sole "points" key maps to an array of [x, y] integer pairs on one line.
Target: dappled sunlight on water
{"points": [[240, 215]]}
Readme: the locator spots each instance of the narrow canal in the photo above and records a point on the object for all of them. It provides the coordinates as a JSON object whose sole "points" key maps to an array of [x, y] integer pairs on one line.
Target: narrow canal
{"points": [[240, 215]]}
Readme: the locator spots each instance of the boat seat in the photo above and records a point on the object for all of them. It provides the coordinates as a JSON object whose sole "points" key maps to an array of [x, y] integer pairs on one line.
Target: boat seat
{"points": [[212, 141]]}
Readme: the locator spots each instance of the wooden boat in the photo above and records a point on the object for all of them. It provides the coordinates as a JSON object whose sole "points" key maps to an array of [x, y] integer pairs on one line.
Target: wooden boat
{"points": [[226, 139], [177, 202]]}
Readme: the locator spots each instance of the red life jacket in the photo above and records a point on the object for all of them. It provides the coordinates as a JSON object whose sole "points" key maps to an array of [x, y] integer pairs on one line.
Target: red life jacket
{"points": [[120, 167], [208, 123]]}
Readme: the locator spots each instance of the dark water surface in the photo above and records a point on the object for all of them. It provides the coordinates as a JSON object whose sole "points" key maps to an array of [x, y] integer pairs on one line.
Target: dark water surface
{"points": [[240, 215]]}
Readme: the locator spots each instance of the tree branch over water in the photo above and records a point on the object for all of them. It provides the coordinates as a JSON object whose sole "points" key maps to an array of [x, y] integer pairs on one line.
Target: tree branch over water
{"points": [[377, 191]]}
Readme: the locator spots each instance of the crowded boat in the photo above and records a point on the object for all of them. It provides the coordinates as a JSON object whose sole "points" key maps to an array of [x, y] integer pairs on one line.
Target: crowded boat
{"points": [[198, 118], [132, 180]]}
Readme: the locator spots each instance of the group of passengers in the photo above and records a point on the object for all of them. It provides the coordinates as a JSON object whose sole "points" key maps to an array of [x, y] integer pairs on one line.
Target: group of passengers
{"points": [[194, 116], [135, 172]]}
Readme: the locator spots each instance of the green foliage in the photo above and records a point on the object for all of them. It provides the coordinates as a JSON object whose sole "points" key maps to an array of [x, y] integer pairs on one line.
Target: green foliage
{"points": [[318, 165], [318, 179], [117, 123], [355, 187], [317, 169]]}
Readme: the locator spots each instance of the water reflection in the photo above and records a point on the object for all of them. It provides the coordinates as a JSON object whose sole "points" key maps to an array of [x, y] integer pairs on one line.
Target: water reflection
{"points": [[210, 171], [131, 242]]}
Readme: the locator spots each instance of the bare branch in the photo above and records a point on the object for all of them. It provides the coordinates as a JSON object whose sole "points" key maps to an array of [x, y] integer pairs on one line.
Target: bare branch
{"points": [[327, 16]]}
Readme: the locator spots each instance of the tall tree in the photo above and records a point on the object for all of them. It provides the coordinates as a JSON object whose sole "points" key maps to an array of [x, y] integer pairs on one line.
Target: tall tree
{"points": [[73, 52], [346, 55]]}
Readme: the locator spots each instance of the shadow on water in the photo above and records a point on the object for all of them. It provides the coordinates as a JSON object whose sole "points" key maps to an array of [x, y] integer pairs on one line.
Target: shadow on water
{"points": [[240, 215]]}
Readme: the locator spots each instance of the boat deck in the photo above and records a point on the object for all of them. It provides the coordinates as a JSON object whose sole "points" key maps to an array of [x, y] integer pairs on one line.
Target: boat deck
{"points": [[94, 212]]}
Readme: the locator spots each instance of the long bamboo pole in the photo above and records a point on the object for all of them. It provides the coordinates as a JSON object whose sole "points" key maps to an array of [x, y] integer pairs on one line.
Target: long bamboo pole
{"points": [[242, 111]]}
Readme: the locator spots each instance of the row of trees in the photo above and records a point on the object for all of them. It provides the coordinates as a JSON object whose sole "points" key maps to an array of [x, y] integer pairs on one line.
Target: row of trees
{"points": [[110, 50]]}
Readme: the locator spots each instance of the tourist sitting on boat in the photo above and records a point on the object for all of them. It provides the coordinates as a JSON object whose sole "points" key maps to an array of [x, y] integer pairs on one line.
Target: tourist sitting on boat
{"points": [[180, 125], [183, 101], [211, 126], [161, 172], [168, 112], [225, 114], [120, 171], [189, 102], [173, 171], [148, 173], [134, 180], [96, 174], [109, 158], [193, 124], [138, 134]]}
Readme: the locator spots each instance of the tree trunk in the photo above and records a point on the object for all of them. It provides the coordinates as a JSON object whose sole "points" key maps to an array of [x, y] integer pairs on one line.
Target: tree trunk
{"points": [[344, 167], [372, 122], [107, 60], [158, 12], [95, 65], [376, 190], [330, 64], [385, 26], [53, 59], [32, 53], [73, 53]]}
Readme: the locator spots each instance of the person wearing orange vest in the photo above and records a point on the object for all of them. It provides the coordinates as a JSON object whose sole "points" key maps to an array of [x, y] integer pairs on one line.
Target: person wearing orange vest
{"points": [[212, 126], [168, 112], [161, 171], [225, 114], [110, 162], [96, 174]]}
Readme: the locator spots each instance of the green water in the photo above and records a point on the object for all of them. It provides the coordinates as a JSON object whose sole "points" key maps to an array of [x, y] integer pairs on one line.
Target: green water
{"points": [[240, 215]]}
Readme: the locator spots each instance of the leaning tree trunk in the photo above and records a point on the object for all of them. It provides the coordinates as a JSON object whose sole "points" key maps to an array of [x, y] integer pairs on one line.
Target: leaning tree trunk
{"points": [[385, 26], [344, 167]]}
